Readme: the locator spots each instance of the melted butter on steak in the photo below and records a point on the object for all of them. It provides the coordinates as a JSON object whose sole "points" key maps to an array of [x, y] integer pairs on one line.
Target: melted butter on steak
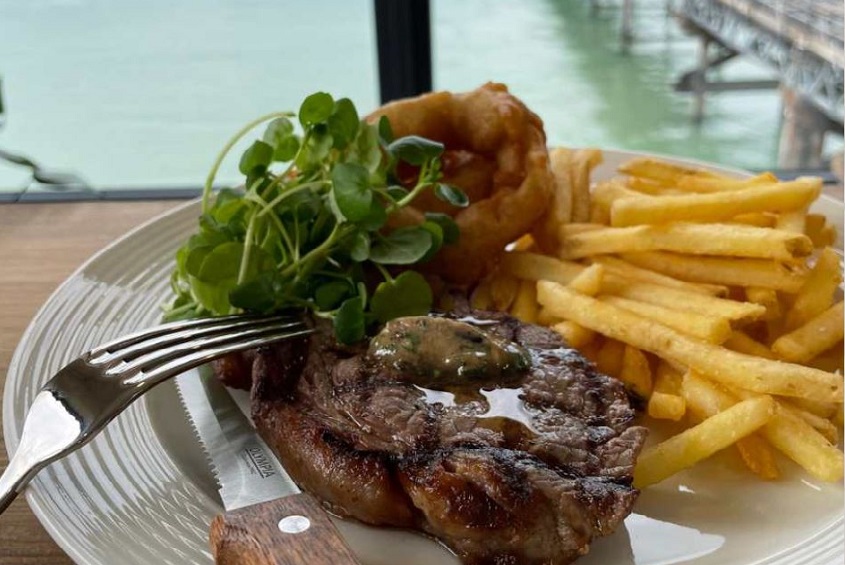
{"points": [[438, 352]]}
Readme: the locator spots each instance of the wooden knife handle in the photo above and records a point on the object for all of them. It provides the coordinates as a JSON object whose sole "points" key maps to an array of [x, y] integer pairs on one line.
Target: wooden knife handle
{"points": [[293, 530]]}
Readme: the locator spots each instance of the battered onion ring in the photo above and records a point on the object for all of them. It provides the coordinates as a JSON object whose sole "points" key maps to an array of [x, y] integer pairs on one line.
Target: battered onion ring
{"points": [[495, 151]]}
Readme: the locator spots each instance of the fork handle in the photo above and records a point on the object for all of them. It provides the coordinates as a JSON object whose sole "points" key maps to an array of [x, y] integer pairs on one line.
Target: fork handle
{"points": [[14, 479], [294, 530]]}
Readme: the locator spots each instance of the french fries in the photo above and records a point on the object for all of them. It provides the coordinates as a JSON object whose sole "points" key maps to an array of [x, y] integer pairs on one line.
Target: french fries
{"points": [[816, 294], [703, 440], [821, 333], [709, 328], [775, 197], [718, 363], [714, 299], [725, 270], [697, 239], [666, 401]]}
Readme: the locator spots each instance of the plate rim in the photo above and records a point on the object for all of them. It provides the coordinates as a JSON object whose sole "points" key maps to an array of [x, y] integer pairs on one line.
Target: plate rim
{"points": [[61, 536]]}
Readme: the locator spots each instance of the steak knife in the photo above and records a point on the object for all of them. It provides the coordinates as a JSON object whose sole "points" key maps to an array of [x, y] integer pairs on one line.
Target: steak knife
{"points": [[268, 520]]}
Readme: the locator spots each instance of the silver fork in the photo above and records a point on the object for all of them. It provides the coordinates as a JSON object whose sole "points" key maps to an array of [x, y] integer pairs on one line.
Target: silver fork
{"points": [[85, 395]]}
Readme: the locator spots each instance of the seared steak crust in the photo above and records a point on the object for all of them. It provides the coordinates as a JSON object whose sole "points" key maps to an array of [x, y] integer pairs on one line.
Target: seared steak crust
{"points": [[528, 470]]}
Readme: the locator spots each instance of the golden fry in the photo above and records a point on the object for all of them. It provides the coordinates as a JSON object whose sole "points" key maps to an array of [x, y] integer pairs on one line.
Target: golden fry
{"points": [[717, 363], [744, 343], [503, 291], [683, 300], [634, 273], [691, 183], [758, 456], [730, 271], [759, 219], [698, 239], [799, 441], [603, 196], [817, 335], [535, 267], [779, 197], [609, 358], [708, 328], [481, 298], [573, 334], [546, 319], [666, 402], [824, 426], [766, 297], [589, 281], [583, 162], [636, 372], [816, 294], [663, 172], [793, 221], [703, 440], [525, 307]]}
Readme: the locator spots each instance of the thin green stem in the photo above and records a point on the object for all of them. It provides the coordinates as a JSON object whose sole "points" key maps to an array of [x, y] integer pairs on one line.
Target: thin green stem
{"points": [[384, 272], [209, 181], [250, 230], [291, 191]]}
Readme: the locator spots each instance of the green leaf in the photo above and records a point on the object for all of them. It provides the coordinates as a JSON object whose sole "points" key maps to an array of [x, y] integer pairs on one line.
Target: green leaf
{"points": [[385, 132], [376, 217], [258, 156], [352, 192], [409, 294], [451, 232], [330, 294], [257, 295], [317, 150], [436, 239], [402, 246], [316, 109], [343, 123], [451, 194], [366, 149], [360, 249], [212, 297], [415, 150], [222, 263], [286, 148], [349, 324], [277, 130], [195, 257]]}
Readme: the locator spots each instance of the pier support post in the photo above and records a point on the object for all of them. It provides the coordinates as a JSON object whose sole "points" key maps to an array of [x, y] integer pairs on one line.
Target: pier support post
{"points": [[699, 79], [627, 32], [802, 133]]}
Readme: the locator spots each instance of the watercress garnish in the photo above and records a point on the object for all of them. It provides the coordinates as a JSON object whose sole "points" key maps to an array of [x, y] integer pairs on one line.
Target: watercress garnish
{"points": [[307, 230]]}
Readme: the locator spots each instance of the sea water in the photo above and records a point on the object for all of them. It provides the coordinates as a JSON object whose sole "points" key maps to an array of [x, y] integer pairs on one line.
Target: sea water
{"points": [[131, 94]]}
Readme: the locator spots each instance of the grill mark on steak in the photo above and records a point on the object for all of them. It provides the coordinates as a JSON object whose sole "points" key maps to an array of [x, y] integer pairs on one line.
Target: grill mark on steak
{"points": [[362, 437]]}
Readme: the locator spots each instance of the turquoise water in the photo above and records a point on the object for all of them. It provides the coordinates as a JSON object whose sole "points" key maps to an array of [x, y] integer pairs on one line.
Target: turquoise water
{"points": [[142, 94]]}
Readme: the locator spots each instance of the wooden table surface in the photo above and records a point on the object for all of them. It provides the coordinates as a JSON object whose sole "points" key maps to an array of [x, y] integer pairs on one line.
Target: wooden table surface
{"points": [[40, 246]]}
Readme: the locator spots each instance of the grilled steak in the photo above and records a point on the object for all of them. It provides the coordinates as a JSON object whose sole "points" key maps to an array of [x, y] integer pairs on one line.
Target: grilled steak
{"points": [[487, 433]]}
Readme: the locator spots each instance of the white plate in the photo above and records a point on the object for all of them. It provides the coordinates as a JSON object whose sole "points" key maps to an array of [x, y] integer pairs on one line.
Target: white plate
{"points": [[141, 493]]}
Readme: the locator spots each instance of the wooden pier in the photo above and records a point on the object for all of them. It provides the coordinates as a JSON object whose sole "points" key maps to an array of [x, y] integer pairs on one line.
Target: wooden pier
{"points": [[803, 41]]}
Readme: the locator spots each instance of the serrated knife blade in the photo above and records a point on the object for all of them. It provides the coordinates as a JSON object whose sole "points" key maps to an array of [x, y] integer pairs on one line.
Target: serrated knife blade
{"points": [[268, 520]]}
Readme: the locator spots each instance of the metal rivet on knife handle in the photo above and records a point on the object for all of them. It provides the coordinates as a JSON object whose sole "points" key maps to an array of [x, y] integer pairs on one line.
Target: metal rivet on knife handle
{"points": [[254, 535]]}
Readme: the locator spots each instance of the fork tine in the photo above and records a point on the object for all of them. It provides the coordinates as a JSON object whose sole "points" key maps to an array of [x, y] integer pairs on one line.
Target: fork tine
{"points": [[142, 344], [164, 329], [150, 360], [181, 362]]}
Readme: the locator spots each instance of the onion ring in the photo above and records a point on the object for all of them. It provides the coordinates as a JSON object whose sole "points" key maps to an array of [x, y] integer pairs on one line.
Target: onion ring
{"points": [[496, 152]]}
